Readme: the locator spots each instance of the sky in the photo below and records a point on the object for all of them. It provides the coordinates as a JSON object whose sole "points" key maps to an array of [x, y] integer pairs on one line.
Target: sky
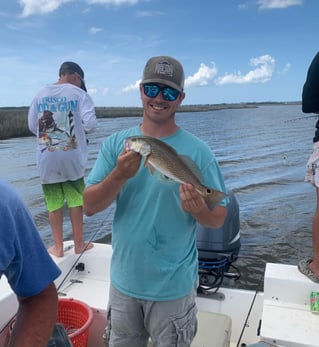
{"points": [[232, 51]]}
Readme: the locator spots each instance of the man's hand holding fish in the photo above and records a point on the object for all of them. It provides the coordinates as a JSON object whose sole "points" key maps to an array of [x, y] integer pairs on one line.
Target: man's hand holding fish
{"points": [[194, 203], [128, 163]]}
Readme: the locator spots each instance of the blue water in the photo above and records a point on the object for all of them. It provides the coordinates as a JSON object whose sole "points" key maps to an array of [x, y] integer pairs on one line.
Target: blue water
{"points": [[262, 153]]}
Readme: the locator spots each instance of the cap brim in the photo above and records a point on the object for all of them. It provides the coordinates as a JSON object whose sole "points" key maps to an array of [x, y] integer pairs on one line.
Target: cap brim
{"points": [[83, 86], [163, 81]]}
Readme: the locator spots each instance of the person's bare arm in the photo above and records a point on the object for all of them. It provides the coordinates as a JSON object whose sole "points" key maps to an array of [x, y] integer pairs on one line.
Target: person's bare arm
{"points": [[99, 196], [36, 319]]}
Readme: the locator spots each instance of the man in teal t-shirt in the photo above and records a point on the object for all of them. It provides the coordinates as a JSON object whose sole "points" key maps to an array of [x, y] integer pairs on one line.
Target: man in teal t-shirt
{"points": [[154, 263]]}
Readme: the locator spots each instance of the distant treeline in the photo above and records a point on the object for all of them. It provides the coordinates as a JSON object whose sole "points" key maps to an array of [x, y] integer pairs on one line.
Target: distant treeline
{"points": [[14, 120]]}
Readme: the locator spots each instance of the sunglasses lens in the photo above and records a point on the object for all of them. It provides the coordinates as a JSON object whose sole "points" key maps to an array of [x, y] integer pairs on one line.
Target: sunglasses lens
{"points": [[151, 90], [170, 94]]}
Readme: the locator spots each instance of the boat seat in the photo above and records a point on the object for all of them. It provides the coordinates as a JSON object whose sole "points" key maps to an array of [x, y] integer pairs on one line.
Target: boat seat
{"points": [[214, 330], [287, 307]]}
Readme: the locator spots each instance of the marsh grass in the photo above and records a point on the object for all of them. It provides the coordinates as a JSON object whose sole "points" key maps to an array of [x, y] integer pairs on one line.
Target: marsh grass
{"points": [[14, 123], [14, 120]]}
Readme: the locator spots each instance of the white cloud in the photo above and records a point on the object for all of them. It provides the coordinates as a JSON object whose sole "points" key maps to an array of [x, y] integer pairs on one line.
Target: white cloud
{"points": [[92, 91], [12, 27], [272, 4], [285, 69], [131, 87], [106, 91], [30, 7], [40, 6], [148, 13], [94, 30], [263, 72], [202, 76], [113, 2]]}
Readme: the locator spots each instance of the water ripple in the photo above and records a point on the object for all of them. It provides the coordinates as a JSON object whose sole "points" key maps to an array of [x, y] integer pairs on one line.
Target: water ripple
{"points": [[262, 155]]}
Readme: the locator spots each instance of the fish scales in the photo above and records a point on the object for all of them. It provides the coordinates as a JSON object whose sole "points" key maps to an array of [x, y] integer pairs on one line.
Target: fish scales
{"points": [[171, 162]]}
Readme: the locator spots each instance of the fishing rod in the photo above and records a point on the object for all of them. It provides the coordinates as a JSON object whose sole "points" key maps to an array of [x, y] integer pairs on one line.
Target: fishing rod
{"points": [[73, 265], [250, 309], [301, 118], [85, 248]]}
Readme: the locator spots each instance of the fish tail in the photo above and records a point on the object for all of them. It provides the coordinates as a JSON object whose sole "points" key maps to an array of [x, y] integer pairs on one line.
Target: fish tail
{"points": [[214, 198]]}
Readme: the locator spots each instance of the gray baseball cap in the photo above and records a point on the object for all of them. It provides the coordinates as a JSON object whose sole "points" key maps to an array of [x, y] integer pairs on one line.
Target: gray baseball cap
{"points": [[164, 70]]}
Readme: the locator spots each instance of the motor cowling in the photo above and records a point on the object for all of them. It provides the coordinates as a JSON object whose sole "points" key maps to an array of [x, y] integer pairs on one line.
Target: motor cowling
{"points": [[218, 248]]}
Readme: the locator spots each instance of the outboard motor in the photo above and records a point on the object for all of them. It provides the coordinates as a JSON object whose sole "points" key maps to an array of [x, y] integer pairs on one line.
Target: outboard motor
{"points": [[218, 248]]}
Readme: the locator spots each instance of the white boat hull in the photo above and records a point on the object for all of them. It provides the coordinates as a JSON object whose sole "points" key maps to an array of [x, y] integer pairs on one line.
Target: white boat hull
{"points": [[280, 315]]}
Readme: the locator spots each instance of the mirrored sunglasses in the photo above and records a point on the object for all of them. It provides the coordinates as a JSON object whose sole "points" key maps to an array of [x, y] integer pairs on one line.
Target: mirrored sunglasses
{"points": [[168, 93]]}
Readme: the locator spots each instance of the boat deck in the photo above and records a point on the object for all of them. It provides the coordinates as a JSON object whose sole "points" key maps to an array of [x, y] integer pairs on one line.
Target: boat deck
{"points": [[287, 319], [95, 275], [280, 316], [284, 305]]}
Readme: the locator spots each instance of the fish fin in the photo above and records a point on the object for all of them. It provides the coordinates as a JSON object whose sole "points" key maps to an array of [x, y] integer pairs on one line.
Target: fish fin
{"points": [[146, 161], [150, 167], [148, 164], [192, 165], [213, 197]]}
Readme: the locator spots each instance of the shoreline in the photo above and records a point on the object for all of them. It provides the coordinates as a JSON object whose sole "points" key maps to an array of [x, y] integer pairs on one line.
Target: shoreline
{"points": [[14, 120], [132, 111]]}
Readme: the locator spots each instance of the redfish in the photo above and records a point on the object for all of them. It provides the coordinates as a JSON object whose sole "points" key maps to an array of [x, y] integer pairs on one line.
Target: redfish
{"points": [[181, 169]]}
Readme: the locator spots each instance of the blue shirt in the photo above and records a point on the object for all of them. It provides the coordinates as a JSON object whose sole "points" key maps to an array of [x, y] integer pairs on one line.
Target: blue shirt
{"points": [[24, 259], [153, 238]]}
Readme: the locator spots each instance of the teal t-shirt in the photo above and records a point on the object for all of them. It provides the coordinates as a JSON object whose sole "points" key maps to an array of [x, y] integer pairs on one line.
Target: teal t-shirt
{"points": [[153, 239]]}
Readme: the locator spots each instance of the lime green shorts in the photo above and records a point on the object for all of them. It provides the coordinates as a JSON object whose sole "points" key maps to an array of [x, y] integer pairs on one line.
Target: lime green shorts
{"points": [[70, 191]]}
